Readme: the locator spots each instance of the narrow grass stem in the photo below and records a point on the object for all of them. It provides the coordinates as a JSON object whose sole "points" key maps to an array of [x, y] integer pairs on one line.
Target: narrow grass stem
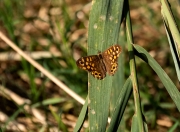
{"points": [[134, 74]]}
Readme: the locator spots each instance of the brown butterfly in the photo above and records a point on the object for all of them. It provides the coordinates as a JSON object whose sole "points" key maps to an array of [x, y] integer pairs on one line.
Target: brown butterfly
{"points": [[98, 65]]}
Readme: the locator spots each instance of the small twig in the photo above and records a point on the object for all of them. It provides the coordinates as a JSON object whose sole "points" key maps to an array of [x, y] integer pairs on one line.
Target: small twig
{"points": [[40, 68], [20, 101], [9, 56]]}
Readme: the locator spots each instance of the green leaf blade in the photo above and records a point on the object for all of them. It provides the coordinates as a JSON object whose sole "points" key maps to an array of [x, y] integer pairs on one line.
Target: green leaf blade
{"points": [[104, 26], [169, 85]]}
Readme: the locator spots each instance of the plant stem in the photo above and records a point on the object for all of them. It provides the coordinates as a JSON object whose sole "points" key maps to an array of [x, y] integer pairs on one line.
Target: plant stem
{"points": [[133, 73]]}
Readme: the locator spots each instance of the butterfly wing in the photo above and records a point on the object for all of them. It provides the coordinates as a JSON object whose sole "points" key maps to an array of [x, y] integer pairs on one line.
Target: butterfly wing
{"points": [[93, 64], [110, 58]]}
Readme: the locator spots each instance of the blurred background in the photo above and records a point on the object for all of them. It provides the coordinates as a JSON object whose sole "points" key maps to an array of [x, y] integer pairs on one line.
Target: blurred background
{"points": [[55, 34]]}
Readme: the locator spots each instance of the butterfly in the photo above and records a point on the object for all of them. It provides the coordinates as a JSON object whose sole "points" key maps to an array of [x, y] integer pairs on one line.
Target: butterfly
{"points": [[98, 65]]}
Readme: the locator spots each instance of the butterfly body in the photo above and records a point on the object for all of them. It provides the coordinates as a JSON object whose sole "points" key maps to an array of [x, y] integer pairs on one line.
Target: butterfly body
{"points": [[99, 64]]}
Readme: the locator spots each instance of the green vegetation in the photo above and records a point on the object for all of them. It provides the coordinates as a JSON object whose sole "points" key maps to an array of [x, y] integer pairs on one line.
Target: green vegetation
{"points": [[142, 95]]}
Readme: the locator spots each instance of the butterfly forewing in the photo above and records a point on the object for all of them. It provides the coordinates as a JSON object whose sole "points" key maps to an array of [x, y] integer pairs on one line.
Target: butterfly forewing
{"points": [[93, 64], [110, 58]]}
